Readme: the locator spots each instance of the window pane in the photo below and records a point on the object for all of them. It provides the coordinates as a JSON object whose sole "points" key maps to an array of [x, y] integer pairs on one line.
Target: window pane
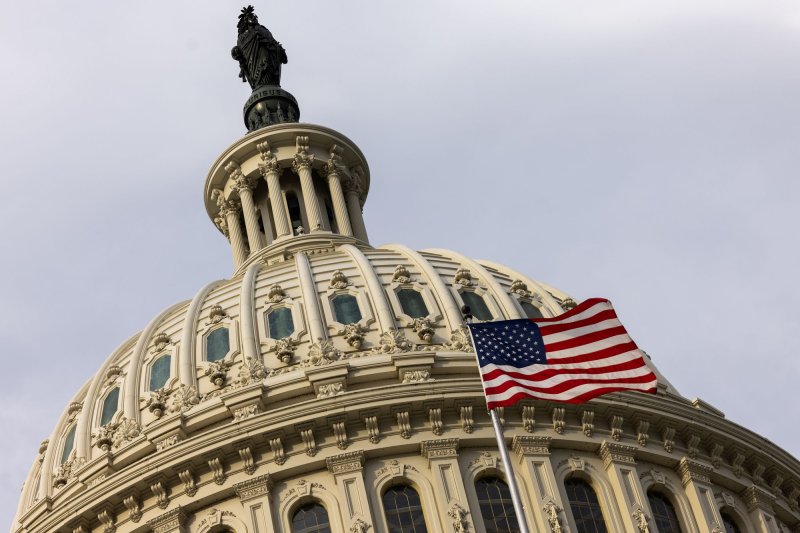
{"points": [[280, 323], [159, 372], [311, 518], [476, 305], [412, 303], [585, 507], [403, 510], [217, 344], [663, 513], [497, 509], [110, 405], [729, 524], [69, 443], [531, 311], [345, 307]]}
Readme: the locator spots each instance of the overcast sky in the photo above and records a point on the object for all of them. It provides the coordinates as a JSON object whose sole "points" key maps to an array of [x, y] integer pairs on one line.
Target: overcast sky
{"points": [[640, 151]]}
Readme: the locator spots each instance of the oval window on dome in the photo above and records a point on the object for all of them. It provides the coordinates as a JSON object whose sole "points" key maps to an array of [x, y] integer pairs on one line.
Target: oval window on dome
{"points": [[159, 372], [110, 405], [69, 443], [531, 311], [477, 305], [412, 303], [345, 309], [218, 344], [280, 323]]}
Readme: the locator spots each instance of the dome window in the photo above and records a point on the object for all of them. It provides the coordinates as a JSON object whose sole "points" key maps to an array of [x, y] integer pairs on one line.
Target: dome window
{"points": [[345, 308], [497, 509], [412, 303], [403, 510], [531, 311], [110, 405], [476, 305], [280, 323], [664, 514], [311, 518], [69, 444], [585, 507], [159, 372], [218, 344]]}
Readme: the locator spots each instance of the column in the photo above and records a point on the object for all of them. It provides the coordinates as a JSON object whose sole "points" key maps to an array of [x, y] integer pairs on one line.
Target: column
{"points": [[229, 210], [245, 189], [348, 472], [442, 455], [271, 171], [352, 193], [620, 466], [302, 166], [696, 479], [255, 497], [339, 205], [759, 506], [537, 472]]}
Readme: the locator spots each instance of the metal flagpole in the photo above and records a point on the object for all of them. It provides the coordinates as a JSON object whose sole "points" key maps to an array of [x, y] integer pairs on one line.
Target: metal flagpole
{"points": [[519, 509]]}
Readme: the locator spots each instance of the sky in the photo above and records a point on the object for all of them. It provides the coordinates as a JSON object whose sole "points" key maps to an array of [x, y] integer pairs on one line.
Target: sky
{"points": [[646, 152]]}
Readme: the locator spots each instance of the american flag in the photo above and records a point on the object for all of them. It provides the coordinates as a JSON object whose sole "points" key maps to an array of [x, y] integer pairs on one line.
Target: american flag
{"points": [[572, 358]]}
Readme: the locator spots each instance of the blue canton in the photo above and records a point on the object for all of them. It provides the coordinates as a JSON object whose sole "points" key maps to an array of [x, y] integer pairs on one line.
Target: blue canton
{"points": [[515, 343]]}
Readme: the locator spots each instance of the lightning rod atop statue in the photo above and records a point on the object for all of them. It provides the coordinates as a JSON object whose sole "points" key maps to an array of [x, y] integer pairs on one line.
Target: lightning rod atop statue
{"points": [[260, 57]]}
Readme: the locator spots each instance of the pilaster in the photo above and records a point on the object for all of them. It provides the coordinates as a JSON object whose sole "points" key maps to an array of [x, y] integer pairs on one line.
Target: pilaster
{"points": [[348, 472], [696, 479], [255, 495], [442, 455], [759, 506], [618, 460], [533, 454]]}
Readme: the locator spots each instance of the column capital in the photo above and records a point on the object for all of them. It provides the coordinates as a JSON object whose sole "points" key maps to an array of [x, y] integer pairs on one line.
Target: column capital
{"points": [[531, 445], [345, 462], [614, 453], [439, 448], [169, 522], [352, 185], [335, 165], [228, 207], [269, 162], [757, 498], [302, 159], [693, 471], [254, 488]]}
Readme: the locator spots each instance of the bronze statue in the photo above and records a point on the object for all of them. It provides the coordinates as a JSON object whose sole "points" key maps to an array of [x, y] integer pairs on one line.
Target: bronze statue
{"points": [[259, 55]]}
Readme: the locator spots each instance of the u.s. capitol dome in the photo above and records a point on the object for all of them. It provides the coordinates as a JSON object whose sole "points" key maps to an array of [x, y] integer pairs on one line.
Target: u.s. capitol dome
{"points": [[330, 385]]}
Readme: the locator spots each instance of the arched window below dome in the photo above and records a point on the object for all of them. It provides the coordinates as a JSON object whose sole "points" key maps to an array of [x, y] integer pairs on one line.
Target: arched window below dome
{"points": [[69, 444], [497, 509], [280, 323], [531, 311], [403, 510], [477, 305], [412, 303], [664, 514], [110, 406], [311, 518], [218, 344], [729, 524], [585, 507], [345, 309], [159, 372]]}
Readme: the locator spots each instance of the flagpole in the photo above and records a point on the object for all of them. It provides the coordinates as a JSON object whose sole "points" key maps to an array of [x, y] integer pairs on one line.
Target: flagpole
{"points": [[519, 509]]}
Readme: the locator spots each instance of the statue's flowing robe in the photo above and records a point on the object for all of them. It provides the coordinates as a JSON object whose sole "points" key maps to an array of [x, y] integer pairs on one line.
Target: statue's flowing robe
{"points": [[261, 57]]}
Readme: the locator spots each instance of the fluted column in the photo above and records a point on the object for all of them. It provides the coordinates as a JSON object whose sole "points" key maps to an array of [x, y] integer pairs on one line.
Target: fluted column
{"points": [[352, 194], [335, 170], [302, 166], [245, 189], [228, 223], [271, 171]]}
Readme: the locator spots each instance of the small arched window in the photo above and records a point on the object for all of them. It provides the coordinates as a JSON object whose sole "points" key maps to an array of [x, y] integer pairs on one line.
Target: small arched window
{"points": [[585, 507], [293, 205], [345, 309], [497, 509], [110, 405], [218, 344], [729, 524], [311, 518], [280, 323], [159, 372], [477, 305], [412, 303], [69, 444], [664, 514], [531, 311], [403, 510]]}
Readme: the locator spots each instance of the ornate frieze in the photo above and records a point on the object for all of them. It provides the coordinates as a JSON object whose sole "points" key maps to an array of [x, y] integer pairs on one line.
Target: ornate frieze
{"points": [[551, 512], [587, 422], [757, 498], [612, 452], [394, 468], [460, 340], [435, 418], [668, 437], [340, 434], [401, 275], [693, 471], [284, 350], [108, 520], [716, 454], [423, 328], [187, 478], [520, 288], [307, 436], [278, 453], [531, 445], [134, 506], [373, 430], [463, 277], [217, 469], [217, 371], [170, 522], [339, 280], [485, 460], [161, 341], [248, 461], [156, 402], [417, 376], [439, 448], [67, 471], [114, 434], [301, 489], [465, 417], [558, 420], [359, 526], [393, 341], [216, 315], [213, 517], [73, 410], [640, 519], [254, 488], [615, 424], [159, 490], [641, 432], [346, 462], [527, 413], [354, 335], [252, 371], [404, 421], [323, 352], [692, 446], [737, 464], [184, 398], [329, 390], [459, 517]]}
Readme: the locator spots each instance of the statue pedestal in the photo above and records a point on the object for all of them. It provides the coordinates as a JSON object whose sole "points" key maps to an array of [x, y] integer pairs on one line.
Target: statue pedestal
{"points": [[268, 105]]}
